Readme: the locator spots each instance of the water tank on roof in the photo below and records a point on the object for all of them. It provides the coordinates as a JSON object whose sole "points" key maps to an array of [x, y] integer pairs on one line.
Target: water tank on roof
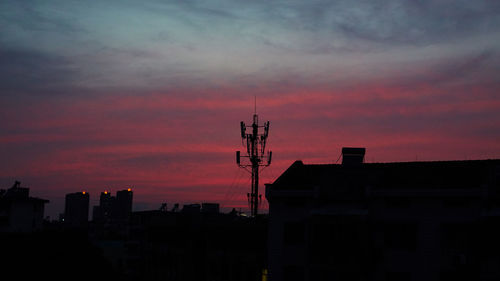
{"points": [[353, 156]]}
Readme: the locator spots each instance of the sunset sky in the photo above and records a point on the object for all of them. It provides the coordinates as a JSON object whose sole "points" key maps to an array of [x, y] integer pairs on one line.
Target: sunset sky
{"points": [[102, 95]]}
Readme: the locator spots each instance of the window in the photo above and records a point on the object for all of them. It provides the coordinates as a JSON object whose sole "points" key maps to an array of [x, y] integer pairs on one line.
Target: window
{"points": [[398, 276], [293, 273], [455, 276], [338, 244], [457, 202], [400, 236], [397, 203], [294, 233], [455, 237], [295, 202]]}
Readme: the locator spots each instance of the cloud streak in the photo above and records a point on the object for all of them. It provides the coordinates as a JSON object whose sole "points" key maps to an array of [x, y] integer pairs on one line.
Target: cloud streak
{"points": [[120, 93]]}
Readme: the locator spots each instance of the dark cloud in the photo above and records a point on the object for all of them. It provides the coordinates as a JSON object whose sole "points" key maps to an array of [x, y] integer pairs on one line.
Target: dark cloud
{"points": [[165, 160], [471, 68], [35, 73], [375, 25], [463, 69], [36, 18]]}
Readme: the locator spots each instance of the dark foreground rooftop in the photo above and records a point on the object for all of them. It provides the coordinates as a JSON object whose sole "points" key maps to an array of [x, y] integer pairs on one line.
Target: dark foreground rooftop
{"points": [[437, 174]]}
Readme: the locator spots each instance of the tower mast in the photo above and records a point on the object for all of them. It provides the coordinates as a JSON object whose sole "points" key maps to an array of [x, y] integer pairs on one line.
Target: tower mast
{"points": [[256, 154]]}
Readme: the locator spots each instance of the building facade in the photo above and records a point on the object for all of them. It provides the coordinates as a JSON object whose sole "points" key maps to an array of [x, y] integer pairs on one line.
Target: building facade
{"points": [[385, 221], [113, 208], [76, 209], [20, 212]]}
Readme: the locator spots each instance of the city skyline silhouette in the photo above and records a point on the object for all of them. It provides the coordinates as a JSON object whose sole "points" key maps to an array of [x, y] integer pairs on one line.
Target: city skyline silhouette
{"points": [[119, 123], [114, 95]]}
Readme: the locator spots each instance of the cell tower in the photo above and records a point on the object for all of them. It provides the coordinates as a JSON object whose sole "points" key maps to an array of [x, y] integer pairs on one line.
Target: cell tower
{"points": [[256, 153]]}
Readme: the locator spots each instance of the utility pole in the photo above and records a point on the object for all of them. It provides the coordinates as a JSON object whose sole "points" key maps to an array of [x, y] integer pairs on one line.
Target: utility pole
{"points": [[256, 153]]}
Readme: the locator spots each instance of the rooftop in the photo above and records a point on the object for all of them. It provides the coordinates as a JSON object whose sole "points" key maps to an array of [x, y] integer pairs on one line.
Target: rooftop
{"points": [[438, 174]]}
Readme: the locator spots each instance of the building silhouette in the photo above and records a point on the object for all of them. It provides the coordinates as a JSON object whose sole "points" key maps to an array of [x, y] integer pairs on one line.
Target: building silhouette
{"points": [[113, 209], [193, 246], [385, 221], [210, 208], [102, 212], [18, 211], [122, 205], [76, 209], [191, 208]]}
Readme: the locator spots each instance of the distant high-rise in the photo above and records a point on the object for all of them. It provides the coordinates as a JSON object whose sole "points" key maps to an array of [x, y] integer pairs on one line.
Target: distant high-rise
{"points": [[122, 205], [106, 203], [102, 212], [113, 208], [76, 210]]}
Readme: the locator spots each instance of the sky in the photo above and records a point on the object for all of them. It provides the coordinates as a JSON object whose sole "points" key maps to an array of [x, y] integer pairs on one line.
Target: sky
{"points": [[106, 95]]}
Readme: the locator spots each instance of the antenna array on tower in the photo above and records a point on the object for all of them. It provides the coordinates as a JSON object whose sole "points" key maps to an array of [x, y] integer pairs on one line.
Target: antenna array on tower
{"points": [[256, 154]]}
